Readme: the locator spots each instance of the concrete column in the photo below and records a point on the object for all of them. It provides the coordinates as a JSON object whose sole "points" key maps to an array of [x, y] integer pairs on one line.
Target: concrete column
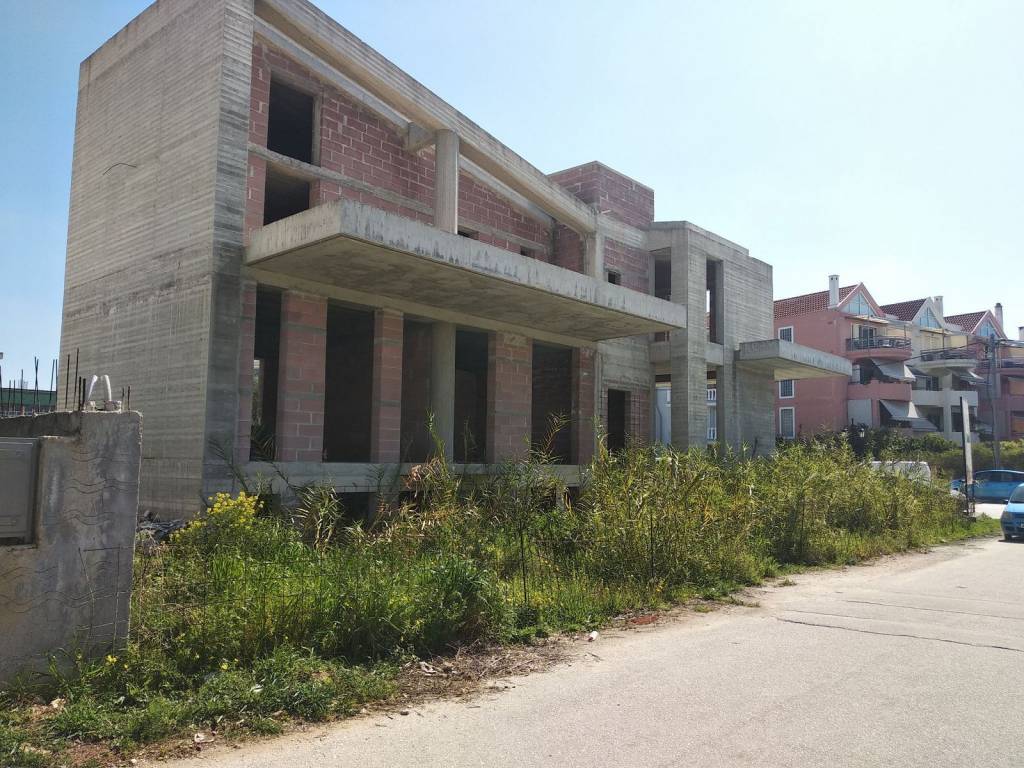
{"points": [[593, 255], [446, 181], [246, 353], [584, 395], [442, 384], [509, 396], [300, 388], [688, 347], [386, 403]]}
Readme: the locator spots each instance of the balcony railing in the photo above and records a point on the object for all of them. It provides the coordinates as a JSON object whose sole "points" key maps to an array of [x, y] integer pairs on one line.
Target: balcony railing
{"points": [[712, 433], [712, 395], [946, 354], [877, 342]]}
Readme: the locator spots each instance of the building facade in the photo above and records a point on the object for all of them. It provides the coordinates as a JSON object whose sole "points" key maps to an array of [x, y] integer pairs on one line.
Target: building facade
{"points": [[293, 252], [1000, 366]]}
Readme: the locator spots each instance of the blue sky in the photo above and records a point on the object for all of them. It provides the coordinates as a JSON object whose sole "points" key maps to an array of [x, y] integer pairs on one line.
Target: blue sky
{"points": [[879, 140]]}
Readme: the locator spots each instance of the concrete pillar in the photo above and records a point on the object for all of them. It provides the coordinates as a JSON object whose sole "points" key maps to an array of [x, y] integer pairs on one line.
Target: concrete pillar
{"points": [[446, 181], [386, 402], [688, 347], [593, 255], [246, 353], [584, 398], [509, 396], [442, 384], [300, 394]]}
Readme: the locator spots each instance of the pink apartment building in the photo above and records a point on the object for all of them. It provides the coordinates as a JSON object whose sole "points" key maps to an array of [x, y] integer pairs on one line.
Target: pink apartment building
{"points": [[846, 321]]}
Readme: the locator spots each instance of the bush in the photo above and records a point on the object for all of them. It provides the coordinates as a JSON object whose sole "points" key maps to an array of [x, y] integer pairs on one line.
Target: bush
{"points": [[248, 615]]}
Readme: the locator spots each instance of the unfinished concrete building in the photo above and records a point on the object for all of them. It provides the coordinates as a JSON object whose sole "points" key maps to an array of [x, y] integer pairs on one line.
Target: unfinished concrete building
{"points": [[294, 252]]}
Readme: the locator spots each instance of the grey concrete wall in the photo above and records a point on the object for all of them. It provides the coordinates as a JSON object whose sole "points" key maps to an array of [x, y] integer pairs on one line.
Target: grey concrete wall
{"points": [[745, 398], [69, 587], [151, 292]]}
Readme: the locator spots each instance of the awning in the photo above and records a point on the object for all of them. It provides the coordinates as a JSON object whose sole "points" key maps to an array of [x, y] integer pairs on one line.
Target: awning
{"points": [[971, 376], [923, 425], [901, 410], [363, 253], [785, 360], [894, 369]]}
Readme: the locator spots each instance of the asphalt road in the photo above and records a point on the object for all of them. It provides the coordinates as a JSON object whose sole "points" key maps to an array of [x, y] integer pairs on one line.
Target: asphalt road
{"points": [[913, 661]]}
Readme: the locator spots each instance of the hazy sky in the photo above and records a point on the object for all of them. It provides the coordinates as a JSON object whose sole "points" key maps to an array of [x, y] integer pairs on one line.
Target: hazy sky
{"points": [[880, 140]]}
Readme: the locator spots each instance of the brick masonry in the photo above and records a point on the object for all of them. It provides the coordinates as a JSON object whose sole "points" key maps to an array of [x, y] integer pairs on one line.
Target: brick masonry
{"points": [[300, 420], [386, 403], [369, 150], [509, 375]]}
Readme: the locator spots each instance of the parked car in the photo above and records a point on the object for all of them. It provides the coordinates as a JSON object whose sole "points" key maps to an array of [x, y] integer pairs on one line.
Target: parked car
{"points": [[956, 487], [995, 485], [1012, 519]]}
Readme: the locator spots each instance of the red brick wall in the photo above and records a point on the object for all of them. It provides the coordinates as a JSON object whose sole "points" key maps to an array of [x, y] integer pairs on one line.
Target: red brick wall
{"points": [[386, 407], [610, 191], [300, 399], [508, 395], [246, 352], [633, 264], [369, 150]]}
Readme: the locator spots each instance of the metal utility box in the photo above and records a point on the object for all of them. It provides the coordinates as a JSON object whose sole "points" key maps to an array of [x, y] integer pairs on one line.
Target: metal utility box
{"points": [[18, 470]]}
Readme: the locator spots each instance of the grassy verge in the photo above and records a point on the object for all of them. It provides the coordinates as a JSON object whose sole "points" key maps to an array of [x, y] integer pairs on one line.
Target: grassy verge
{"points": [[254, 616]]}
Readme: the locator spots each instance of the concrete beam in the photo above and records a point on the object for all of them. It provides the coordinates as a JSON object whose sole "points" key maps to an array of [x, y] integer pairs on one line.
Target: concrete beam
{"points": [[359, 247], [786, 360]]}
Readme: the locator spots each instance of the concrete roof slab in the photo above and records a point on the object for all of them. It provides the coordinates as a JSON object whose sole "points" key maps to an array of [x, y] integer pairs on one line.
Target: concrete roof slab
{"points": [[359, 247], [786, 360]]}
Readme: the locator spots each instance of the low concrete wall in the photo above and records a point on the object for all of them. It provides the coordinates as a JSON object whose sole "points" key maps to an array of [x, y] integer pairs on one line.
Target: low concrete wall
{"points": [[69, 587]]}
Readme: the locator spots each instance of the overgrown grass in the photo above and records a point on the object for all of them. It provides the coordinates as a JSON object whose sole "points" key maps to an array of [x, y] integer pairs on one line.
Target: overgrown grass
{"points": [[248, 618]]}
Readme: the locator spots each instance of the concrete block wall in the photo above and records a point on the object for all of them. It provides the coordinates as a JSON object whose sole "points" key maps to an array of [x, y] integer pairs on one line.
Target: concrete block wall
{"points": [[300, 418], [151, 292], [246, 353], [69, 588], [584, 391]]}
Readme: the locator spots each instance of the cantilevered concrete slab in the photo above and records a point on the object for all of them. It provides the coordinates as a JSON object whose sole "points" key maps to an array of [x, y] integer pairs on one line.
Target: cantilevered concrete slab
{"points": [[786, 360], [361, 248]]}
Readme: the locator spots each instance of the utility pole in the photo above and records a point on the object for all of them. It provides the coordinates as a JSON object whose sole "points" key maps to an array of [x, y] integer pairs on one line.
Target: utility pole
{"points": [[993, 396]]}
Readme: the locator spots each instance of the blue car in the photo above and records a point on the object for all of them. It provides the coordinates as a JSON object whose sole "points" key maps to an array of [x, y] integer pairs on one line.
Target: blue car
{"points": [[1013, 516], [996, 484]]}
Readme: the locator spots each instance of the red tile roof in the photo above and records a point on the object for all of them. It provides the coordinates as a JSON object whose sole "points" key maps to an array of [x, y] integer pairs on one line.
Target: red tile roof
{"points": [[968, 321], [809, 302], [904, 310]]}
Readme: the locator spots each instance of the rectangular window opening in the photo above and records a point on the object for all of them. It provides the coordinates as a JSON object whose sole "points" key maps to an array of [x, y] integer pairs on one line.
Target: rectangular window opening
{"points": [[714, 301], [470, 396], [417, 348], [615, 278], [266, 349], [284, 196], [348, 391], [290, 122], [469, 234], [786, 333], [618, 419], [663, 279], [551, 402], [787, 388]]}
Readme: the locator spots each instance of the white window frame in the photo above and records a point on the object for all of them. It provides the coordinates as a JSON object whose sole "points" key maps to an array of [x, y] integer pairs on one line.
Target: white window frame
{"points": [[792, 410], [792, 383], [786, 328]]}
